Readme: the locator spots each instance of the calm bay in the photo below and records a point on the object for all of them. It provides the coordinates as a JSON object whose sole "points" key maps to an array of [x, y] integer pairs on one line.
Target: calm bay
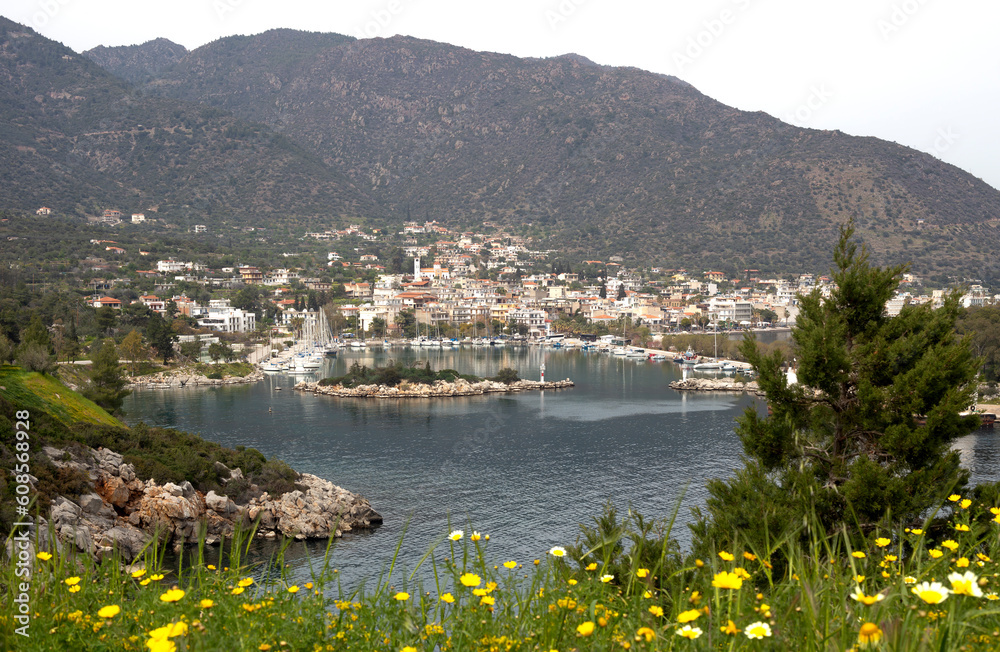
{"points": [[524, 468]]}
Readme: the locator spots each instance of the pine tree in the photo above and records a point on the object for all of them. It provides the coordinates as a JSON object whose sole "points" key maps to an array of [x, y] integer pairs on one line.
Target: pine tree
{"points": [[107, 385], [161, 337], [864, 435]]}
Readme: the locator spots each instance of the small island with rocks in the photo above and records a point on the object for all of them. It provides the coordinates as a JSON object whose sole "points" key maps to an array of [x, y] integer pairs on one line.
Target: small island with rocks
{"points": [[400, 381]]}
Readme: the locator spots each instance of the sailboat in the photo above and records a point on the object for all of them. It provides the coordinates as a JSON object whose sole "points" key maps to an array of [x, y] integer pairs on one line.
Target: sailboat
{"points": [[712, 365]]}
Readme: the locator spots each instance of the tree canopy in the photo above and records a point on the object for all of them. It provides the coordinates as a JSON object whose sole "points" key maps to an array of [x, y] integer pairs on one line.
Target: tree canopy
{"points": [[863, 435]]}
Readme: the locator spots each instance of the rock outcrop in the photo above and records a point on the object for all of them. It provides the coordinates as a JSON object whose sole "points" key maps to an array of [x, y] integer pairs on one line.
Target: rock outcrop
{"points": [[177, 379], [441, 388], [125, 513]]}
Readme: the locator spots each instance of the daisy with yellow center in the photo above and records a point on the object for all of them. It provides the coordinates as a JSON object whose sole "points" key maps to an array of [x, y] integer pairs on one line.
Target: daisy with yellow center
{"points": [[757, 630], [931, 592], [607, 578], [455, 535], [867, 600], [557, 551], [475, 536], [869, 634], [688, 632], [965, 584]]}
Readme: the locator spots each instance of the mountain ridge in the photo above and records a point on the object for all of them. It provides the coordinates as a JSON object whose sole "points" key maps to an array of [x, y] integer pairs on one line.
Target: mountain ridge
{"points": [[591, 159]]}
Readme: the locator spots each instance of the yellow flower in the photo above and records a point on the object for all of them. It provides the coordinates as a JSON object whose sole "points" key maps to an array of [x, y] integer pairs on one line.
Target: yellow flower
{"points": [[510, 564], [592, 566], [962, 562], [207, 604], [571, 582], [408, 648], [138, 573], [455, 535], [859, 578], [646, 633], [935, 553], [647, 593], [966, 503], [44, 556], [867, 600], [909, 579], [891, 558], [954, 498], [741, 573], [487, 600], [656, 610], [695, 597], [607, 578], [161, 645], [858, 554], [642, 572], [74, 588], [950, 545], [965, 584], [470, 579], [72, 581], [173, 595], [585, 629], [447, 597], [688, 616], [916, 532], [264, 647], [725, 556], [757, 630], [730, 629], [699, 563], [749, 556], [961, 527], [237, 590], [882, 542], [210, 567], [293, 589], [558, 551], [157, 577], [992, 596], [145, 582], [402, 596], [245, 582], [726, 580], [309, 585], [982, 557], [869, 634], [109, 611], [689, 632], [931, 592]]}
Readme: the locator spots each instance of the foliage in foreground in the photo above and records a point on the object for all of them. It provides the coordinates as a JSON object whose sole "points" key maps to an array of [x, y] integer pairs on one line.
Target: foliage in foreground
{"points": [[903, 590], [863, 436]]}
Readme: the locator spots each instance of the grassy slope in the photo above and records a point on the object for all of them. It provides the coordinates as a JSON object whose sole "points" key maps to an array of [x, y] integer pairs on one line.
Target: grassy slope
{"points": [[36, 392]]}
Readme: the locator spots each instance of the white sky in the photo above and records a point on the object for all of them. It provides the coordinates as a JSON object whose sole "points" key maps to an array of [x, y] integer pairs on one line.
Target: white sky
{"points": [[923, 73]]}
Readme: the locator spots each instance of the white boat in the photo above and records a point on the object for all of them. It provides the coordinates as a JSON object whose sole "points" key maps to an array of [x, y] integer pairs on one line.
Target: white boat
{"points": [[620, 351], [729, 366], [358, 344], [636, 353], [659, 357], [312, 363], [711, 365], [272, 365]]}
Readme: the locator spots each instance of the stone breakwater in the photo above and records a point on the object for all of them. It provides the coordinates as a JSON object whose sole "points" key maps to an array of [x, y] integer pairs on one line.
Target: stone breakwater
{"points": [[177, 379], [440, 388], [714, 385], [124, 513]]}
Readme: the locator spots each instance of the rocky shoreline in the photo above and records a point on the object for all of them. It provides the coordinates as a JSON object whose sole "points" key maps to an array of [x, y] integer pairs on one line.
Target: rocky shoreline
{"points": [[714, 385], [441, 388], [178, 379], [124, 513]]}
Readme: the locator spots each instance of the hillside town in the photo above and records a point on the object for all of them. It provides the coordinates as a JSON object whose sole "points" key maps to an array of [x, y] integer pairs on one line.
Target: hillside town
{"points": [[460, 283]]}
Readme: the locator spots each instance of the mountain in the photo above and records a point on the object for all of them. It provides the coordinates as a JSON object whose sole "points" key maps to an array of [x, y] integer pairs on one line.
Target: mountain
{"points": [[597, 159], [78, 139], [589, 159], [137, 63]]}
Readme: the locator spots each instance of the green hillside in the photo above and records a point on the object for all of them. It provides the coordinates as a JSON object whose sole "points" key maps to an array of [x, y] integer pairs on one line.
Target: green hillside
{"points": [[39, 393]]}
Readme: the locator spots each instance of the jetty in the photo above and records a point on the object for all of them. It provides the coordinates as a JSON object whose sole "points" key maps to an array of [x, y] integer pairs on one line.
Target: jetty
{"points": [[440, 388], [714, 385]]}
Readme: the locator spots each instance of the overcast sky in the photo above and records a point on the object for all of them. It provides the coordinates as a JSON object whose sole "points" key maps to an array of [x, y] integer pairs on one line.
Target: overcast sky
{"points": [[923, 73]]}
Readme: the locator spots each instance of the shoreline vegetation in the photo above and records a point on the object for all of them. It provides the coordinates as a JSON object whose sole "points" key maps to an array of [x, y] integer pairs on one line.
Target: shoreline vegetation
{"points": [[397, 380], [108, 490]]}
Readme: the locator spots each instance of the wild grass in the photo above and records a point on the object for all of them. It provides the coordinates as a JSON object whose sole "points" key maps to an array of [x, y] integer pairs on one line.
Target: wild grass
{"points": [[902, 590]]}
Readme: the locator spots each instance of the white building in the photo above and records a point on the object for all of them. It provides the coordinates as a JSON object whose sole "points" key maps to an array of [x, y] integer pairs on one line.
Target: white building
{"points": [[138, 218], [225, 319]]}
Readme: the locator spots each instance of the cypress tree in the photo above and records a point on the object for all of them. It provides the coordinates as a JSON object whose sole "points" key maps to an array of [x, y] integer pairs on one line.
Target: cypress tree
{"points": [[107, 385], [864, 435]]}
